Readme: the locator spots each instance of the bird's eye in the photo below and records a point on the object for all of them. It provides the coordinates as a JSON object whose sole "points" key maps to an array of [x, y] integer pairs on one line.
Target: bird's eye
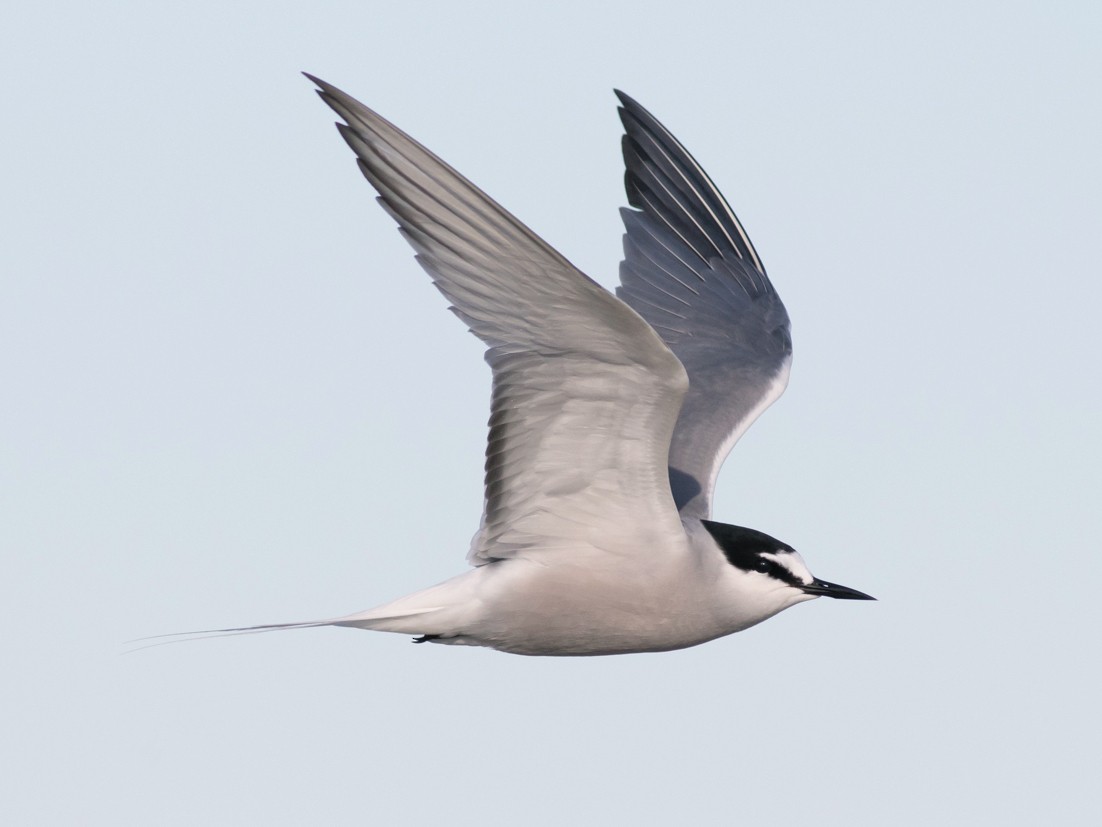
{"points": [[762, 565]]}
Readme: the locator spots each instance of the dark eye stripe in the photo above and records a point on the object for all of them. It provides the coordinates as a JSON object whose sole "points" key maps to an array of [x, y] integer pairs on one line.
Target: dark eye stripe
{"points": [[743, 548], [779, 572]]}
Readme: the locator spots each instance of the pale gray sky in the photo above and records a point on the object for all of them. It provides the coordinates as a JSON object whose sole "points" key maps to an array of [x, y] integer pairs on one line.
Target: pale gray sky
{"points": [[231, 397]]}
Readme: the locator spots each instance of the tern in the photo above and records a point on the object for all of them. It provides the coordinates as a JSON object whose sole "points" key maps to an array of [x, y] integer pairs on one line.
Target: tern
{"points": [[611, 414]]}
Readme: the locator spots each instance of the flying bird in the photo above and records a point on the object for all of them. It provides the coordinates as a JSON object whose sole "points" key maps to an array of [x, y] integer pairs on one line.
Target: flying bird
{"points": [[610, 414]]}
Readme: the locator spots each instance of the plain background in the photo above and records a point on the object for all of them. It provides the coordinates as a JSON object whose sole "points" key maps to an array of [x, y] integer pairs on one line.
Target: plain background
{"points": [[230, 396]]}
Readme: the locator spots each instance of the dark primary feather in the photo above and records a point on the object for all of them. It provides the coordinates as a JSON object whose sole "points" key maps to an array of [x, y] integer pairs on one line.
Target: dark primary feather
{"points": [[691, 271]]}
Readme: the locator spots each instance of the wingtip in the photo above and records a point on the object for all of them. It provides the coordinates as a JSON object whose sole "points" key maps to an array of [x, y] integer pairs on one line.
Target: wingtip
{"points": [[627, 102], [325, 90]]}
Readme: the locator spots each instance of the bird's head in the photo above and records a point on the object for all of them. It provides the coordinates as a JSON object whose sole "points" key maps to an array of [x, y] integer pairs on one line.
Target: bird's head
{"points": [[771, 575]]}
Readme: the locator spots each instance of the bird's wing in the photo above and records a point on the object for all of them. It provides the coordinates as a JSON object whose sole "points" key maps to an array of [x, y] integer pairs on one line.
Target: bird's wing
{"points": [[690, 270], [585, 393]]}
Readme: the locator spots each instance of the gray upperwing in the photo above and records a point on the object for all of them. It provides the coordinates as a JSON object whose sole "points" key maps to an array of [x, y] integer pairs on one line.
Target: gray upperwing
{"points": [[690, 270], [585, 393]]}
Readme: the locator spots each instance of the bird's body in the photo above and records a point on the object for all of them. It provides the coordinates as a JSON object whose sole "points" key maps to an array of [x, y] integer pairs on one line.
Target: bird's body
{"points": [[611, 414], [668, 593]]}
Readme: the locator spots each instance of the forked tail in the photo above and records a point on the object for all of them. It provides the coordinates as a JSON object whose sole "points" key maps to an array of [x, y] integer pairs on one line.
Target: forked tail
{"points": [[429, 613]]}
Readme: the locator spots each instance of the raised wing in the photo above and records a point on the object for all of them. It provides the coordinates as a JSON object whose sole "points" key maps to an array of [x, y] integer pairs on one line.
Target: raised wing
{"points": [[690, 270], [585, 394]]}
